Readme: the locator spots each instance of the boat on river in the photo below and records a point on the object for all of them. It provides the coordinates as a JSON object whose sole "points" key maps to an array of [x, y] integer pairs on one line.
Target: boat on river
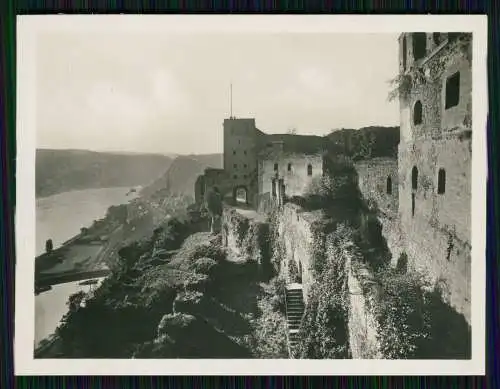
{"points": [[89, 282]]}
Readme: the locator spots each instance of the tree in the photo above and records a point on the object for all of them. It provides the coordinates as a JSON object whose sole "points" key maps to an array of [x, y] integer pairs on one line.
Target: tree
{"points": [[49, 246]]}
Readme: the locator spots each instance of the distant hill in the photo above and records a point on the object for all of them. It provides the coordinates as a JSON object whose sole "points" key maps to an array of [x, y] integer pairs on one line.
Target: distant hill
{"points": [[367, 142], [182, 174], [209, 160], [64, 170]]}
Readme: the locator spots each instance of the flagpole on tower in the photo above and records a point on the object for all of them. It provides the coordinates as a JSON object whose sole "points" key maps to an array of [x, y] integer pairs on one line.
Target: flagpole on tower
{"points": [[231, 98]]}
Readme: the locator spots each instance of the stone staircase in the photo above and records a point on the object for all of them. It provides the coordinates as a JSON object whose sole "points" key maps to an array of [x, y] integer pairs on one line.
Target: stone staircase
{"points": [[294, 312]]}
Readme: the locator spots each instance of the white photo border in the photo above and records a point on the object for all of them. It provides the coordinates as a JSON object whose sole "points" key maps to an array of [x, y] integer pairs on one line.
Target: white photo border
{"points": [[28, 26]]}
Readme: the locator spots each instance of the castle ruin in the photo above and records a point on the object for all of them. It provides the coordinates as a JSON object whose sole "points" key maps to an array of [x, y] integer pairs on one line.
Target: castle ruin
{"points": [[423, 197]]}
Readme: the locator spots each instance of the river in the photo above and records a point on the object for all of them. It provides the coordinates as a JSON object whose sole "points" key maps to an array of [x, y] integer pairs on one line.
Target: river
{"points": [[60, 217]]}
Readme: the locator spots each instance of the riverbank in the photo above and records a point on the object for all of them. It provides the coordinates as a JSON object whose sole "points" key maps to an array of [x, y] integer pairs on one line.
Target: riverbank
{"points": [[91, 253]]}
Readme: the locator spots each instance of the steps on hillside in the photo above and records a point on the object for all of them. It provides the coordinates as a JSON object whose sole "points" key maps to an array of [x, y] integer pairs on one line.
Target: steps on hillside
{"points": [[294, 312]]}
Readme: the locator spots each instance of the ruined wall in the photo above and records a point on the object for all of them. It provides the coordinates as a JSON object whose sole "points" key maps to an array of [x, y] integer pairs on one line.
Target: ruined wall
{"points": [[435, 218], [373, 176], [295, 231], [245, 238], [362, 322], [302, 243], [292, 168], [199, 189], [437, 235], [438, 120], [378, 181]]}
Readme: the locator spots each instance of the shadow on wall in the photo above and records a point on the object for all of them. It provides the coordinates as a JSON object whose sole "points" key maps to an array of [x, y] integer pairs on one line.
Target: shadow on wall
{"points": [[450, 335]]}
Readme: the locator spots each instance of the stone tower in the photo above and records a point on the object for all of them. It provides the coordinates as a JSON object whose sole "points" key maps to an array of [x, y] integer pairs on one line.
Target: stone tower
{"points": [[240, 155], [434, 158]]}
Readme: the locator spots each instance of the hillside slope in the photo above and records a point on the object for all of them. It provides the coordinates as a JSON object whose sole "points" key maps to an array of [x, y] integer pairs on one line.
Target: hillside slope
{"points": [[182, 174], [64, 170]]}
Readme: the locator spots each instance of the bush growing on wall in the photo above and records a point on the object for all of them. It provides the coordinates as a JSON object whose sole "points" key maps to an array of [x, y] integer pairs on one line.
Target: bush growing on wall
{"points": [[323, 332], [269, 335], [404, 323], [277, 247]]}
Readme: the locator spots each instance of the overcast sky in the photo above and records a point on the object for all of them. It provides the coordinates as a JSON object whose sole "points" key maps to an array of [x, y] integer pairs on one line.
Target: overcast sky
{"points": [[170, 94]]}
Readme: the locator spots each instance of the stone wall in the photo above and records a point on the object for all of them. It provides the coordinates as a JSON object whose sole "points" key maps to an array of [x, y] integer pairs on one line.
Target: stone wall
{"points": [[301, 240], [362, 323], [435, 218], [441, 62], [378, 182], [292, 169], [240, 155], [437, 235], [295, 230], [245, 238]]}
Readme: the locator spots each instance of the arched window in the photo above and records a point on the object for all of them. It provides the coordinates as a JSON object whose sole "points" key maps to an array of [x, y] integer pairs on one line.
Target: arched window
{"points": [[309, 170], [414, 178], [417, 113], [452, 90], [441, 181], [240, 195], [289, 167], [419, 45], [274, 187], [389, 185], [275, 167]]}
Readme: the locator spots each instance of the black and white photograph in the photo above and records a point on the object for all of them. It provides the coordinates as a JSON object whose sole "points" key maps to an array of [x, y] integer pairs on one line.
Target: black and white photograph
{"points": [[227, 193]]}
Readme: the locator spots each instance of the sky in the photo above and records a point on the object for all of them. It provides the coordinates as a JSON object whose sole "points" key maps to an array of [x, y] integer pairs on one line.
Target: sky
{"points": [[145, 92]]}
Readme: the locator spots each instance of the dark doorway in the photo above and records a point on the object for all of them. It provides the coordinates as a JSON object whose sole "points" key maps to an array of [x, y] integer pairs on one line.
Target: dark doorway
{"points": [[240, 195]]}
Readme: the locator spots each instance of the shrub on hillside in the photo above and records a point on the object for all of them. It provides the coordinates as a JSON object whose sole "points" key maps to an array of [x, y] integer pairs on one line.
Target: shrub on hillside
{"points": [[205, 266]]}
